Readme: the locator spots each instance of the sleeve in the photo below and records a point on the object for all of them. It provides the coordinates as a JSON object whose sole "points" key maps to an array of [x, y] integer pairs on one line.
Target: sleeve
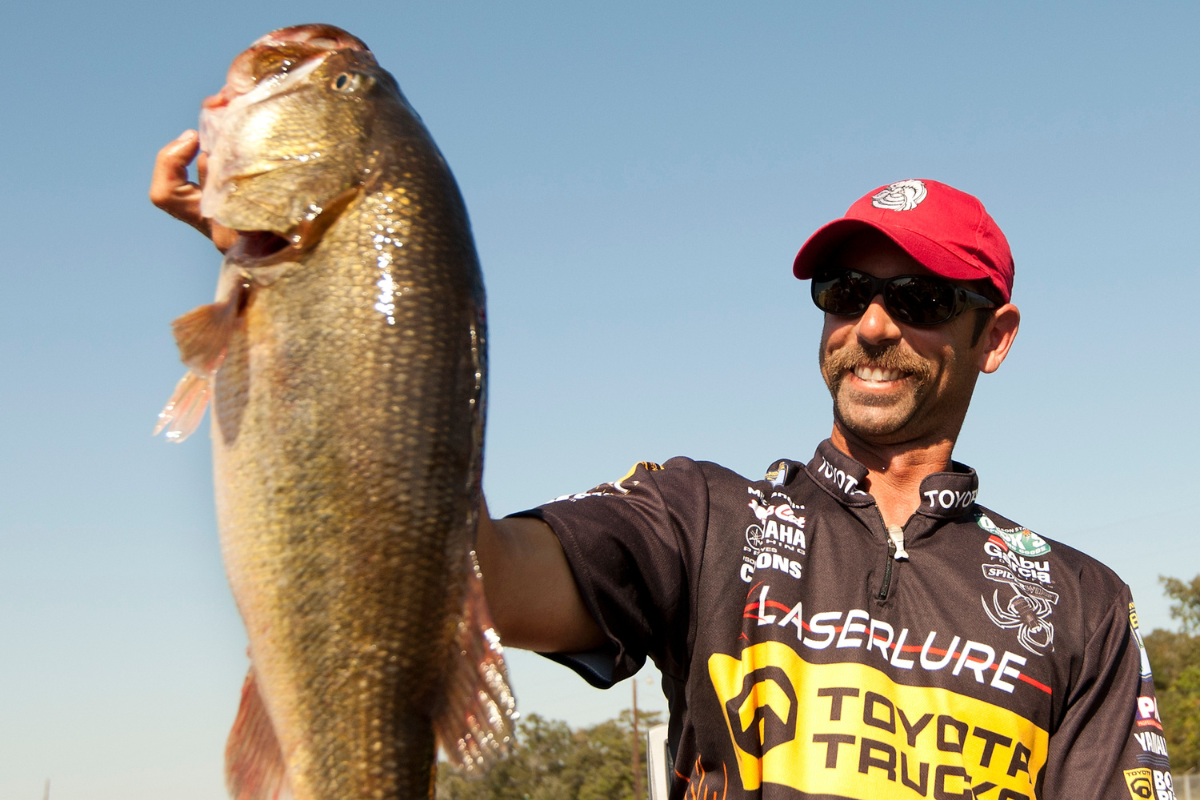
{"points": [[632, 545], [1110, 743]]}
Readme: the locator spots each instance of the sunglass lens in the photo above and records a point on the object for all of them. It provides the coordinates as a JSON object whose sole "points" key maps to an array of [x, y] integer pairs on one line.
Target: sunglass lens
{"points": [[846, 294], [919, 301]]}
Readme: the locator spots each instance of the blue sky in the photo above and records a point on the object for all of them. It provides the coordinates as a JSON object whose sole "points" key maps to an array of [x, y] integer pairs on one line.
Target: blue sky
{"points": [[638, 179]]}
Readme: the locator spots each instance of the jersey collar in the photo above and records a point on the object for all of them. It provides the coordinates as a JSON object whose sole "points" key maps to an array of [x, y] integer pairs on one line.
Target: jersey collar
{"points": [[944, 495], [840, 475]]}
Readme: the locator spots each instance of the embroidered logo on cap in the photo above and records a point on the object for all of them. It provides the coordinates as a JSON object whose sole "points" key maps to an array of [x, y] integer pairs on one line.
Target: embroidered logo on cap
{"points": [[900, 196]]}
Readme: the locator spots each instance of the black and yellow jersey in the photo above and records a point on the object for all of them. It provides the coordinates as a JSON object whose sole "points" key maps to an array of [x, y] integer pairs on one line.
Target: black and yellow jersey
{"points": [[809, 651]]}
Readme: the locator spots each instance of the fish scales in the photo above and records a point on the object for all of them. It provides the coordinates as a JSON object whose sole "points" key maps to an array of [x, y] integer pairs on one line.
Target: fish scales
{"points": [[347, 434], [315, 476]]}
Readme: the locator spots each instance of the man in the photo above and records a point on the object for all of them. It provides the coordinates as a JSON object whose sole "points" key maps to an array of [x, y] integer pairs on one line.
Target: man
{"points": [[857, 626]]}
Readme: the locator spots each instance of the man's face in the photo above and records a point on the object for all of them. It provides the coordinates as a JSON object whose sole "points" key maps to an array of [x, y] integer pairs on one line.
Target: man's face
{"points": [[891, 382]]}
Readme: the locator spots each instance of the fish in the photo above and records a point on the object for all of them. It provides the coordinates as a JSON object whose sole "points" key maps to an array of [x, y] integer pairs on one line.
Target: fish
{"points": [[345, 362]]}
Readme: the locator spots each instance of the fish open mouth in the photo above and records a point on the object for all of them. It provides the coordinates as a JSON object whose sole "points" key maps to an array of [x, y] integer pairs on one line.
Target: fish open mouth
{"points": [[260, 245], [264, 248]]}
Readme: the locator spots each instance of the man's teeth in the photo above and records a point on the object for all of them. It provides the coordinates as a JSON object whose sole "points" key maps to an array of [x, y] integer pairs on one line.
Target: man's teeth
{"points": [[876, 374]]}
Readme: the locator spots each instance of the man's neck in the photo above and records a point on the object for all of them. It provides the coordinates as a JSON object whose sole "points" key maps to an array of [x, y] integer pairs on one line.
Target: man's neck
{"points": [[895, 472]]}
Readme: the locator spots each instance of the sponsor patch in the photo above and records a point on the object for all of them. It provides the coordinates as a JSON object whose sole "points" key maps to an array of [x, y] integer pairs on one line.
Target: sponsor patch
{"points": [[616, 487], [1140, 783], [1137, 637], [649, 466], [1020, 540], [1164, 788], [849, 730], [950, 498], [846, 483], [1029, 600], [775, 539], [1147, 713], [1154, 749], [955, 656], [778, 474]]}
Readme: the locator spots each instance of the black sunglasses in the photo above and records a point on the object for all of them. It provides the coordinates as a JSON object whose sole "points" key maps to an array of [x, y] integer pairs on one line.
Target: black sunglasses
{"points": [[911, 299]]}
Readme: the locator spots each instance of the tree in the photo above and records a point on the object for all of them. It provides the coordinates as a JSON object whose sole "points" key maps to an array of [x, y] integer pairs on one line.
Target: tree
{"points": [[1186, 607], [1175, 658], [552, 762]]}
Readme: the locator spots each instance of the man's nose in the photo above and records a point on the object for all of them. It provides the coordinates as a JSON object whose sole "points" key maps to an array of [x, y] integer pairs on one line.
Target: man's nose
{"points": [[876, 326]]}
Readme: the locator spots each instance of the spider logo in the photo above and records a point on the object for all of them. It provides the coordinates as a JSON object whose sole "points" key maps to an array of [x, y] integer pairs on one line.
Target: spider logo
{"points": [[1028, 614]]}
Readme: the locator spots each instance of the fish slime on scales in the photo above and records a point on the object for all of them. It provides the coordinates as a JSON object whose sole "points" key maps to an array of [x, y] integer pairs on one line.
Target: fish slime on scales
{"points": [[345, 360]]}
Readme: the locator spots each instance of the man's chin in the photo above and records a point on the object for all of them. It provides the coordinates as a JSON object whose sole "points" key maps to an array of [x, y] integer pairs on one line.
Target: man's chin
{"points": [[872, 419]]}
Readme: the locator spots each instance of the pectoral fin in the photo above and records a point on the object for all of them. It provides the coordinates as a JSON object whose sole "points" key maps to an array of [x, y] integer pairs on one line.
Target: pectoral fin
{"points": [[254, 768], [182, 414], [474, 725], [202, 336]]}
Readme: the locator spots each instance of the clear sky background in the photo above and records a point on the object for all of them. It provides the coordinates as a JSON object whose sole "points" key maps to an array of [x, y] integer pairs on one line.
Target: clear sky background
{"points": [[639, 177]]}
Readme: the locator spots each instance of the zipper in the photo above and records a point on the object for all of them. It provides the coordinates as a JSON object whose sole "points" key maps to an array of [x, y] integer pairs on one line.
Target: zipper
{"points": [[887, 572], [896, 534], [896, 552], [891, 556]]}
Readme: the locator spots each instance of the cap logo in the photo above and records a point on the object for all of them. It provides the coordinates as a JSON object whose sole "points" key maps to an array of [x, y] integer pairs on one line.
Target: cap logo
{"points": [[900, 196]]}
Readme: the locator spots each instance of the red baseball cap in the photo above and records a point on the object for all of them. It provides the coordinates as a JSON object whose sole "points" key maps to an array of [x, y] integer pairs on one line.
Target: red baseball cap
{"points": [[947, 231]]}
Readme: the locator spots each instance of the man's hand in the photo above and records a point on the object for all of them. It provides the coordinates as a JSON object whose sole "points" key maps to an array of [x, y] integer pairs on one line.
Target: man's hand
{"points": [[531, 592], [171, 190]]}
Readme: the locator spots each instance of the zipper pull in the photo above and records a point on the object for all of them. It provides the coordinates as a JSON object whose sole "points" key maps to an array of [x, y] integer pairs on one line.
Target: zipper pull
{"points": [[896, 534]]}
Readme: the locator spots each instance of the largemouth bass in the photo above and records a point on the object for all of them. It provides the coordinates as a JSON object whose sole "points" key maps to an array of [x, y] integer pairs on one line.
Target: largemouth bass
{"points": [[345, 360]]}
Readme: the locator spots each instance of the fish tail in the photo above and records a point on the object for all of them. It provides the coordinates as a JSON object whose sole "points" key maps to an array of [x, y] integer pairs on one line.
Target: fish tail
{"points": [[182, 414], [474, 725], [254, 768]]}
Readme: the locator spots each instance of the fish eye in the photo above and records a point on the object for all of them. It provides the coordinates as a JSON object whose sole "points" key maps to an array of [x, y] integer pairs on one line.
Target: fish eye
{"points": [[347, 82]]}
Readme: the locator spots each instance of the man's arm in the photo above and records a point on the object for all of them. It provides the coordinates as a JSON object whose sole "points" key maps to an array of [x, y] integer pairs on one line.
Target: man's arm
{"points": [[531, 591], [1109, 743]]}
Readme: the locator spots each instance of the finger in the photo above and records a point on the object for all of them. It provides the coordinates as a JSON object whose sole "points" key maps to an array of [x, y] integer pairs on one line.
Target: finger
{"points": [[170, 168], [170, 188]]}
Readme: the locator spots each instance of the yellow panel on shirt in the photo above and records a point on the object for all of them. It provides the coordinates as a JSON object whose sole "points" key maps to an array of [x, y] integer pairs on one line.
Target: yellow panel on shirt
{"points": [[848, 729]]}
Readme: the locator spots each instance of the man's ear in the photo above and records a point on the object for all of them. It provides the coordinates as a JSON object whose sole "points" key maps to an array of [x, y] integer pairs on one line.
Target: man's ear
{"points": [[998, 337]]}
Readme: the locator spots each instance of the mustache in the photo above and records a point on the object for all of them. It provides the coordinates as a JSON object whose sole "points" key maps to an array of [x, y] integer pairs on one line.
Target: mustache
{"points": [[889, 356]]}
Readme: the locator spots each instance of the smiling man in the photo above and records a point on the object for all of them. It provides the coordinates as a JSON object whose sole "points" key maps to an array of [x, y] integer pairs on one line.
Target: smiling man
{"points": [[856, 626]]}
